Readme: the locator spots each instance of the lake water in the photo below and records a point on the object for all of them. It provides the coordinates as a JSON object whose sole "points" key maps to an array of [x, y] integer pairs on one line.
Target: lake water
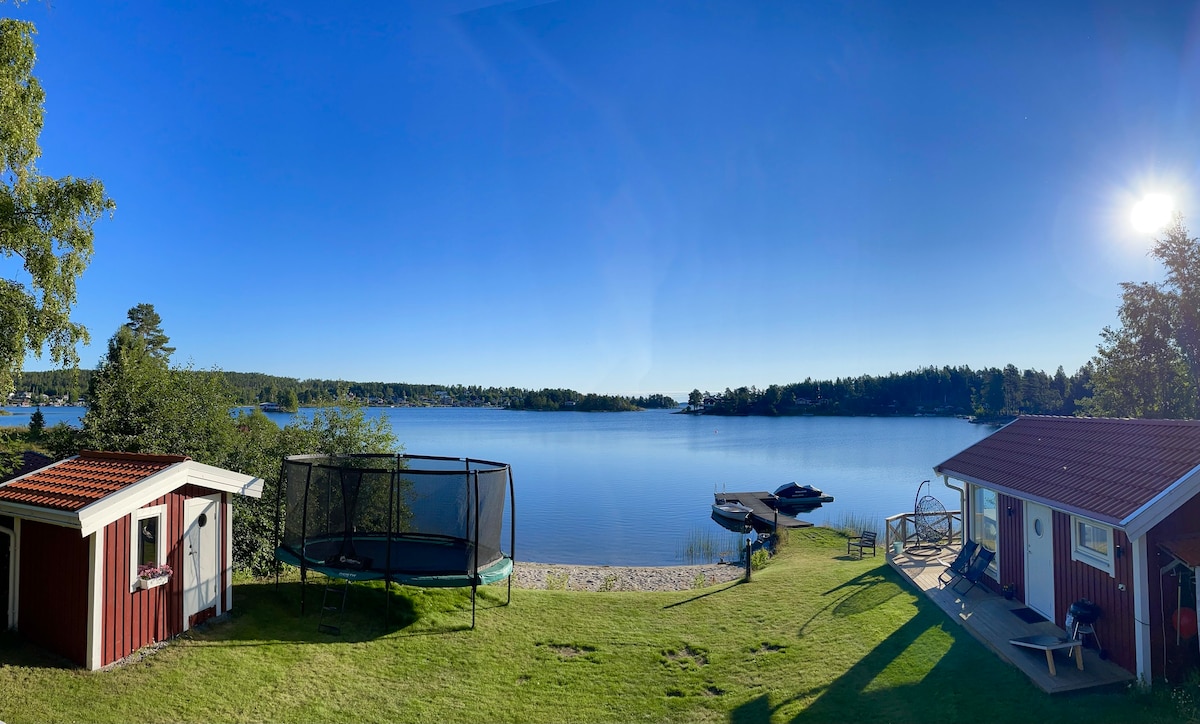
{"points": [[631, 488]]}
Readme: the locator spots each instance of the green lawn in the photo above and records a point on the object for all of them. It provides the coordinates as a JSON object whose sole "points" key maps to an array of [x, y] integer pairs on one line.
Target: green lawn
{"points": [[814, 637]]}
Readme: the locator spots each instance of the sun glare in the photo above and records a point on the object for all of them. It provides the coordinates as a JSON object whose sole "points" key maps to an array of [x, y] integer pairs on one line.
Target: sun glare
{"points": [[1151, 213]]}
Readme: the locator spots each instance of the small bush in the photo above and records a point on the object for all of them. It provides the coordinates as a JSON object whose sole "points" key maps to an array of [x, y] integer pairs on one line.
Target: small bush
{"points": [[557, 581], [758, 559]]}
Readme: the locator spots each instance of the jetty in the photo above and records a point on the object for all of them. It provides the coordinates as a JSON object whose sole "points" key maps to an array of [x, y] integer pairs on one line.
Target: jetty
{"points": [[763, 510]]}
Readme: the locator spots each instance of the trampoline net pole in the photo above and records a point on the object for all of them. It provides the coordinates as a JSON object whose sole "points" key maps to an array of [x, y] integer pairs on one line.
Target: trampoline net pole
{"points": [[280, 489], [512, 531], [304, 538], [475, 550]]}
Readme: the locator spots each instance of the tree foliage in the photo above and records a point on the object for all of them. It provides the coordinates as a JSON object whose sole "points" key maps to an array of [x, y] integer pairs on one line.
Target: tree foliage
{"points": [[45, 223], [1149, 366], [137, 402]]}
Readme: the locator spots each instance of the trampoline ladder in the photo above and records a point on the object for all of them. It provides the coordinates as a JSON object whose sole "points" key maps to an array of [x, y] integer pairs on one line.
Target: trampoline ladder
{"points": [[333, 606]]}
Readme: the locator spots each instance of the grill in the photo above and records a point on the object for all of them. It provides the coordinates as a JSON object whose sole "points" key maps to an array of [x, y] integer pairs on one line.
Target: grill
{"points": [[1084, 611]]}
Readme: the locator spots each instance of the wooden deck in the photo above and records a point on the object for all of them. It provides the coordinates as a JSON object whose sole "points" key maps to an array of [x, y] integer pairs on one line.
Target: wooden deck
{"points": [[761, 511], [989, 618]]}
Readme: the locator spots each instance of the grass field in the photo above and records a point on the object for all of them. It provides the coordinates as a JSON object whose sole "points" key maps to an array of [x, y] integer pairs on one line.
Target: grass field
{"points": [[814, 637]]}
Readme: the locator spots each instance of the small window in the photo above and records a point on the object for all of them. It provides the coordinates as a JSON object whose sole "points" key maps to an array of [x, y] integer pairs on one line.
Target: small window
{"points": [[1092, 543], [147, 540]]}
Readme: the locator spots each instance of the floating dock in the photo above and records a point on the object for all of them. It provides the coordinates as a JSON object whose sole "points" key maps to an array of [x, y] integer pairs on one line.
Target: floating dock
{"points": [[762, 510]]}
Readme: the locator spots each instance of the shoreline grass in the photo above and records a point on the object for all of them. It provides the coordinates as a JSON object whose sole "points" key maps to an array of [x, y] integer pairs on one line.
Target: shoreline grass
{"points": [[815, 636]]}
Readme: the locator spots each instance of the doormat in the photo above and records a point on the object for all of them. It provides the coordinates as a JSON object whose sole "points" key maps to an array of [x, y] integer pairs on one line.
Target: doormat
{"points": [[1028, 615]]}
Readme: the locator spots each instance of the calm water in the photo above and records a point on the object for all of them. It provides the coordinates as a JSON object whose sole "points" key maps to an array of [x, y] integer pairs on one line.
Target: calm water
{"points": [[631, 488]]}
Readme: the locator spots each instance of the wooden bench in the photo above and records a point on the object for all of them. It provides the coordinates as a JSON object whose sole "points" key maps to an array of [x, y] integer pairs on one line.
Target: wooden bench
{"points": [[865, 540], [1050, 644]]}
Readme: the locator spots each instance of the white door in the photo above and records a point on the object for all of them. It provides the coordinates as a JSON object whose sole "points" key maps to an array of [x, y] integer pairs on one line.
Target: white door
{"points": [[1039, 559], [201, 556]]}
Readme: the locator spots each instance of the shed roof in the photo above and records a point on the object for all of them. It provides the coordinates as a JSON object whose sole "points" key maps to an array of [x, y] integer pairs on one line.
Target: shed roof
{"points": [[79, 481], [1112, 470], [89, 491]]}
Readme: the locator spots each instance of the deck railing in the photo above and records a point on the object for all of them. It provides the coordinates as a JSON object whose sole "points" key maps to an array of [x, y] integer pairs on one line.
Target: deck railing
{"points": [[902, 529]]}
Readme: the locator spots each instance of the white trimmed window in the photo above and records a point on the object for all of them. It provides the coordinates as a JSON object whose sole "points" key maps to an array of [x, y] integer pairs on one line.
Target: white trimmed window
{"points": [[1092, 543], [147, 540], [985, 525]]}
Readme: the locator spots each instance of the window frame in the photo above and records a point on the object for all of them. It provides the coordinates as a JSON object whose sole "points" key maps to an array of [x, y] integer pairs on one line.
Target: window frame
{"points": [[136, 518], [978, 519], [1089, 556]]}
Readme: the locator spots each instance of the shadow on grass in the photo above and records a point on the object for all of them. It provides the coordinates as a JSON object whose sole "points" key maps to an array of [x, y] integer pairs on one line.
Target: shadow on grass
{"points": [[861, 593], [848, 698], [16, 651], [264, 616], [706, 594]]}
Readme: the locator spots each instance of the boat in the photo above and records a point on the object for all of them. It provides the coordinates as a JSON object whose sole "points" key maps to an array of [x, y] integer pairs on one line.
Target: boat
{"points": [[731, 511], [734, 526], [793, 494]]}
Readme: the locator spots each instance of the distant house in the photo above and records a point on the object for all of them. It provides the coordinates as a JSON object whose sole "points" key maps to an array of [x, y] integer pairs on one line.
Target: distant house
{"points": [[1102, 509], [74, 534]]}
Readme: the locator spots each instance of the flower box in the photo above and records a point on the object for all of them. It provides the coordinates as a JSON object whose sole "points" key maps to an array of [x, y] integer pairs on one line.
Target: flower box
{"points": [[152, 576], [147, 583]]}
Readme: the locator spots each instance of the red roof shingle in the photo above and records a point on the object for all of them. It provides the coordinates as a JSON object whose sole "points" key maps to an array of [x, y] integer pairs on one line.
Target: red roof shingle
{"points": [[1102, 467], [78, 482]]}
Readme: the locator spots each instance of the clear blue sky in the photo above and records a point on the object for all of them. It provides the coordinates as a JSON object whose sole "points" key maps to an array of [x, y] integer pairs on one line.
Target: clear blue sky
{"points": [[619, 196]]}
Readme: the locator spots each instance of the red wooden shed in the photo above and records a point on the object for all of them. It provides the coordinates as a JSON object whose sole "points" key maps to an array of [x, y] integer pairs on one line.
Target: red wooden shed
{"points": [[76, 532], [1095, 508]]}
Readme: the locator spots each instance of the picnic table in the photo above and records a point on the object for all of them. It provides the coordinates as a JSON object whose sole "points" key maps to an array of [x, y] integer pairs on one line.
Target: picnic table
{"points": [[1050, 644]]}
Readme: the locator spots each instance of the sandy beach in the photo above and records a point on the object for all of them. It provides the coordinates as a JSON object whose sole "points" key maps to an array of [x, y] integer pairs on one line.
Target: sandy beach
{"points": [[622, 578]]}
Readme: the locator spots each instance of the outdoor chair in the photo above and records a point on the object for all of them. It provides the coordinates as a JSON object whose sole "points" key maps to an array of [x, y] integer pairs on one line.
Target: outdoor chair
{"points": [[866, 540], [960, 564], [975, 571]]}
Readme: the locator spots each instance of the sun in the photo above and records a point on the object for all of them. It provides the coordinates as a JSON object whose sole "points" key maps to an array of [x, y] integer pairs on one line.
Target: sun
{"points": [[1152, 213]]}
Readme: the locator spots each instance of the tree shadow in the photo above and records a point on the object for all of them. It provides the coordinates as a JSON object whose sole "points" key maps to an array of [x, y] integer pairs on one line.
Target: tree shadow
{"points": [[16, 651], [728, 587], [870, 589], [848, 698]]}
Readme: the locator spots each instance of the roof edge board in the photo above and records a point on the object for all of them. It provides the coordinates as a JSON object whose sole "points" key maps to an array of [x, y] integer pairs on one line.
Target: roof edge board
{"points": [[40, 514], [135, 495], [1155, 510]]}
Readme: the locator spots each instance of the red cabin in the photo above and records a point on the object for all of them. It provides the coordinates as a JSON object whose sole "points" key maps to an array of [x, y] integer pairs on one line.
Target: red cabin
{"points": [[1101, 509], [74, 535]]}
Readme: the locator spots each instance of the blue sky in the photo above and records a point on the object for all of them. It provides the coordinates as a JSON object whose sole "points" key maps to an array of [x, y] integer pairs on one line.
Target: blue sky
{"points": [[619, 197]]}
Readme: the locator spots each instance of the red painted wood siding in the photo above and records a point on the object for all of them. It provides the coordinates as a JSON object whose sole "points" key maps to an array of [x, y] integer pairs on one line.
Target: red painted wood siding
{"points": [[137, 619], [1011, 512], [1163, 590], [53, 608], [1074, 580]]}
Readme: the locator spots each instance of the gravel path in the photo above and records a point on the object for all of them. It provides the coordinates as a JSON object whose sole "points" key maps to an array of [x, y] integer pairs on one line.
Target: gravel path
{"points": [[622, 578]]}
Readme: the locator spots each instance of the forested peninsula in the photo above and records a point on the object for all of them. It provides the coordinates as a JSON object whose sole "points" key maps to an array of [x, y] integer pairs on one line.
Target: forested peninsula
{"points": [[252, 388], [992, 393], [987, 394]]}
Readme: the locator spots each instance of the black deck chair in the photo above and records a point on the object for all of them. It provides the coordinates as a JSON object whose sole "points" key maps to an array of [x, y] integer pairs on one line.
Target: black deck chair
{"points": [[961, 562], [975, 571]]}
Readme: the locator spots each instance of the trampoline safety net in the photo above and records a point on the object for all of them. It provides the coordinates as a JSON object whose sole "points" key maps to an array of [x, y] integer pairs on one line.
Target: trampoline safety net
{"points": [[393, 516]]}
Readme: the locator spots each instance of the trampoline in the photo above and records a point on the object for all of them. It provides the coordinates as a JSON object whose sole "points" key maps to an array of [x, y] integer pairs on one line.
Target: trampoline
{"points": [[417, 520]]}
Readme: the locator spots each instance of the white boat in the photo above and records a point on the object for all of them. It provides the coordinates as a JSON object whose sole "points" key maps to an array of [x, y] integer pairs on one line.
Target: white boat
{"points": [[732, 511]]}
